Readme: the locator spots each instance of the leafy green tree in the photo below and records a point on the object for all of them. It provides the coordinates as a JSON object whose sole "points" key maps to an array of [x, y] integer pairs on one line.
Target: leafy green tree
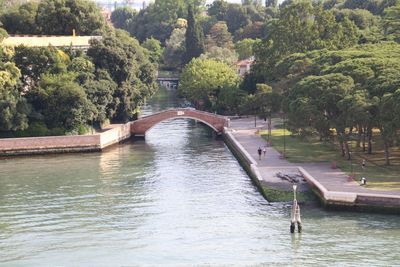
{"points": [[100, 92], [61, 17], [35, 61], [202, 81], [122, 17], [129, 67], [221, 54], [194, 37], [310, 28], [174, 51], [271, 3], [236, 17], [219, 36], [14, 109], [62, 102], [389, 124], [21, 19], [252, 30], [218, 9], [314, 100], [391, 22], [244, 48], [155, 49]]}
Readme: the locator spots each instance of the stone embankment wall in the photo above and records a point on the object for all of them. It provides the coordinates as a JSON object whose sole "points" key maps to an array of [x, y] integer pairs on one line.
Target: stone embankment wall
{"points": [[64, 144], [245, 160]]}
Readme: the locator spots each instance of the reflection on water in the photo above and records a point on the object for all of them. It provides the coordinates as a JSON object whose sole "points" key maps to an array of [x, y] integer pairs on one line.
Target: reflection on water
{"points": [[177, 198]]}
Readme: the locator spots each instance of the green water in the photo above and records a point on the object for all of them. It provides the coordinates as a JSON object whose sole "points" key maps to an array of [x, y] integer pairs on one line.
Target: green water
{"points": [[179, 198]]}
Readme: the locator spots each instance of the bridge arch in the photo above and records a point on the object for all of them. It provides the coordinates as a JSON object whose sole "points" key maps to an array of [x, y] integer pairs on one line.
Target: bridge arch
{"points": [[215, 122]]}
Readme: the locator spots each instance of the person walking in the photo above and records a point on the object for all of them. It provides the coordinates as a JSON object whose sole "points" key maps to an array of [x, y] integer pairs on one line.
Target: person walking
{"points": [[259, 153], [264, 151], [363, 164]]}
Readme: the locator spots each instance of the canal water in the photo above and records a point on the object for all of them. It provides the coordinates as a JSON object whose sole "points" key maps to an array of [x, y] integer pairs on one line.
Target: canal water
{"points": [[179, 198]]}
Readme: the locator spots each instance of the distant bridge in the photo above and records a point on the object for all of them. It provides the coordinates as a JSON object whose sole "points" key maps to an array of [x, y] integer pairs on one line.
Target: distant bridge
{"points": [[214, 121], [171, 82]]}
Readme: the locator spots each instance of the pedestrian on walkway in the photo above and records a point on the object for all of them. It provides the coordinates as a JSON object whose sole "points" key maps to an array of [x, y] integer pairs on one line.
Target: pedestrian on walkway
{"points": [[363, 164], [259, 153], [264, 151]]}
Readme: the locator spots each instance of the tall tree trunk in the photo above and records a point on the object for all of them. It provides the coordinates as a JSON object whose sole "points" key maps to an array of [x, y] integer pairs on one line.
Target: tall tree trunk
{"points": [[269, 127], [347, 149], [364, 138], [386, 147], [359, 134], [342, 148], [370, 140]]}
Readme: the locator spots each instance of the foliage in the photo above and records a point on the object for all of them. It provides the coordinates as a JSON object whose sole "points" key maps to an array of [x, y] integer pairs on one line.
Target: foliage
{"points": [[219, 36], [122, 17], [154, 48], [244, 48], [194, 37], [129, 67], [174, 51], [13, 108], [63, 16], [21, 19], [202, 81], [302, 27], [159, 18], [221, 54], [391, 22], [62, 102]]}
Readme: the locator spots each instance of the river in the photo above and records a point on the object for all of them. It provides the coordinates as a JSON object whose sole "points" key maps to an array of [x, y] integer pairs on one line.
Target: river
{"points": [[178, 198]]}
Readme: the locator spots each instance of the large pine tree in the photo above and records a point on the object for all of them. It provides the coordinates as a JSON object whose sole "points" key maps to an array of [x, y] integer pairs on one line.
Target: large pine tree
{"points": [[194, 37]]}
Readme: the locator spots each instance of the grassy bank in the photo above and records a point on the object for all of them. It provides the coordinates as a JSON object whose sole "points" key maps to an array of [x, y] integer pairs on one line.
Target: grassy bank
{"points": [[274, 195], [312, 150]]}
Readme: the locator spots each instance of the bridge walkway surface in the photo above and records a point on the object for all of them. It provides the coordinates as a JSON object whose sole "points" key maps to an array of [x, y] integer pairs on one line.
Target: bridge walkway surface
{"points": [[332, 184]]}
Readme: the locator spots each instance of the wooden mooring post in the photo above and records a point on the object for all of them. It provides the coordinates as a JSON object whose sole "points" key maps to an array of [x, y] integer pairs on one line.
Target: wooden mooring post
{"points": [[295, 215]]}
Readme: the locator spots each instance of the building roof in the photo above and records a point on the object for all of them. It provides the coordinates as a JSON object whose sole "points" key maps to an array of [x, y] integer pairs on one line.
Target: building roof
{"points": [[44, 41]]}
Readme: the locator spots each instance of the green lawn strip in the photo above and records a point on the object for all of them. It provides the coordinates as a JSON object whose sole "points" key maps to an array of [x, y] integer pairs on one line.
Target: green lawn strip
{"points": [[312, 150], [274, 195]]}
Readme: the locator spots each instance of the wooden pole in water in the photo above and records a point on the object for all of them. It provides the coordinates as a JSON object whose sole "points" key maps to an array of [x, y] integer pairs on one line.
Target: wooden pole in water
{"points": [[295, 215]]}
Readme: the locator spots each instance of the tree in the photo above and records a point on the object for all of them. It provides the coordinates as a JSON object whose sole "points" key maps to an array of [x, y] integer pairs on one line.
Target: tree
{"points": [[221, 54], [389, 124], [62, 102], [174, 51], [244, 48], [61, 17], [100, 92], [236, 17], [314, 100], [202, 81], [154, 48], [219, 36], [194, 37], [251, 30], [218, 9], [391, 22], [21, 19], [122, 17], [271, 3], [14, 109], [301, 28], [129, 67], [35, 61]]}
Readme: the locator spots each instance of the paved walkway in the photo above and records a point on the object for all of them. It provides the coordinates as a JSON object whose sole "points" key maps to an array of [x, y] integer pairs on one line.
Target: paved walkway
{"points": [[334, 180]]}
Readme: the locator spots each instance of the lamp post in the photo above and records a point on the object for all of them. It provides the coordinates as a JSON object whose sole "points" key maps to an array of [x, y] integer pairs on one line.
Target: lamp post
{"points": [[294, 191]]}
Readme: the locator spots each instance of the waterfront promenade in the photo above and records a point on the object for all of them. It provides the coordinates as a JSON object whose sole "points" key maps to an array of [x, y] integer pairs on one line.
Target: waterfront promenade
{"points": [[332, 184]]}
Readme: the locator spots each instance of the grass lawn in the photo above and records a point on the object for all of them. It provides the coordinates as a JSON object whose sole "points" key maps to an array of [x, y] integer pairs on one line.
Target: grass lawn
{"points": [[312, 150]]}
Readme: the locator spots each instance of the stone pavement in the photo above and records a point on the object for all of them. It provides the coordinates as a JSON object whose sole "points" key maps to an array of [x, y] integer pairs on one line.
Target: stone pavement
{"points": [[333, 180]]}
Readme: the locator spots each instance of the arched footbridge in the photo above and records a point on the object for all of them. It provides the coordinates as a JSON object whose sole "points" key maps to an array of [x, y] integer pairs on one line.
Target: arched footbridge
{"points": [[214, 121]]}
